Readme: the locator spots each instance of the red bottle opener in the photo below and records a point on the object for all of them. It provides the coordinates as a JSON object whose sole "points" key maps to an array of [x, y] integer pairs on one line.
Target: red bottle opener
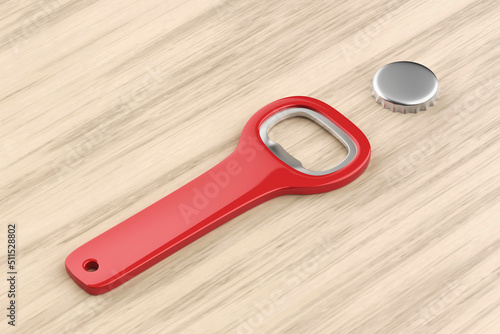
{"points": [[257, 171]]}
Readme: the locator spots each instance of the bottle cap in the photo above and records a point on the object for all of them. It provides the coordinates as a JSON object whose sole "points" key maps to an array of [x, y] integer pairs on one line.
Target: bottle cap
{"points": [[405, 87]]}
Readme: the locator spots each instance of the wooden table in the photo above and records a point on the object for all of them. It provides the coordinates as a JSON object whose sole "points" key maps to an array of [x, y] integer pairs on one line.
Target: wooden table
{"points": [[108, 106]]}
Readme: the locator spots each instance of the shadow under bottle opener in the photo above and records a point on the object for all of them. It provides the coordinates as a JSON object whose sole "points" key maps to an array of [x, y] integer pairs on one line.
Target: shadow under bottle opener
{"points": [[257, 171]]}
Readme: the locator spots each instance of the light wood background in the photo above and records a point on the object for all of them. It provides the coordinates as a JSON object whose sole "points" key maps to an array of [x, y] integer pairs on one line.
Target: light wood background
{"points": [[108, 106]]}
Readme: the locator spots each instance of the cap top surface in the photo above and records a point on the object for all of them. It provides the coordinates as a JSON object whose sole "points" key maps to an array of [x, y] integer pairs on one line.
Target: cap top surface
{"points": [[405, 83]]}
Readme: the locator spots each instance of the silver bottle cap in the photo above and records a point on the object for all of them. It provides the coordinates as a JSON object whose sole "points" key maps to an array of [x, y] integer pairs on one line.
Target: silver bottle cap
{"points": [[405, 87]]}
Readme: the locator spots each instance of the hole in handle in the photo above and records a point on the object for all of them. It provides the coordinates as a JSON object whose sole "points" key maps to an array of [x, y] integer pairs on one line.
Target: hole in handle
{"points": [[90, 265]]}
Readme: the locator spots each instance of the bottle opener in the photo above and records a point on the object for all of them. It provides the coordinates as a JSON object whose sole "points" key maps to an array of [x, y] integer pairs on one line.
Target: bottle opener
{"points": [[257, 171]]}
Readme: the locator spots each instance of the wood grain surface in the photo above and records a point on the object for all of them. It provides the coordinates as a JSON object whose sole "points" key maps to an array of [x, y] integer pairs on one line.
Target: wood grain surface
{"points": [[108, 106]]}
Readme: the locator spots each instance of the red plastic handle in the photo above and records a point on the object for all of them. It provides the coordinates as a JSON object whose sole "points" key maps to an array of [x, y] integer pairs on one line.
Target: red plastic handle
{"points": [[252, 174]]}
